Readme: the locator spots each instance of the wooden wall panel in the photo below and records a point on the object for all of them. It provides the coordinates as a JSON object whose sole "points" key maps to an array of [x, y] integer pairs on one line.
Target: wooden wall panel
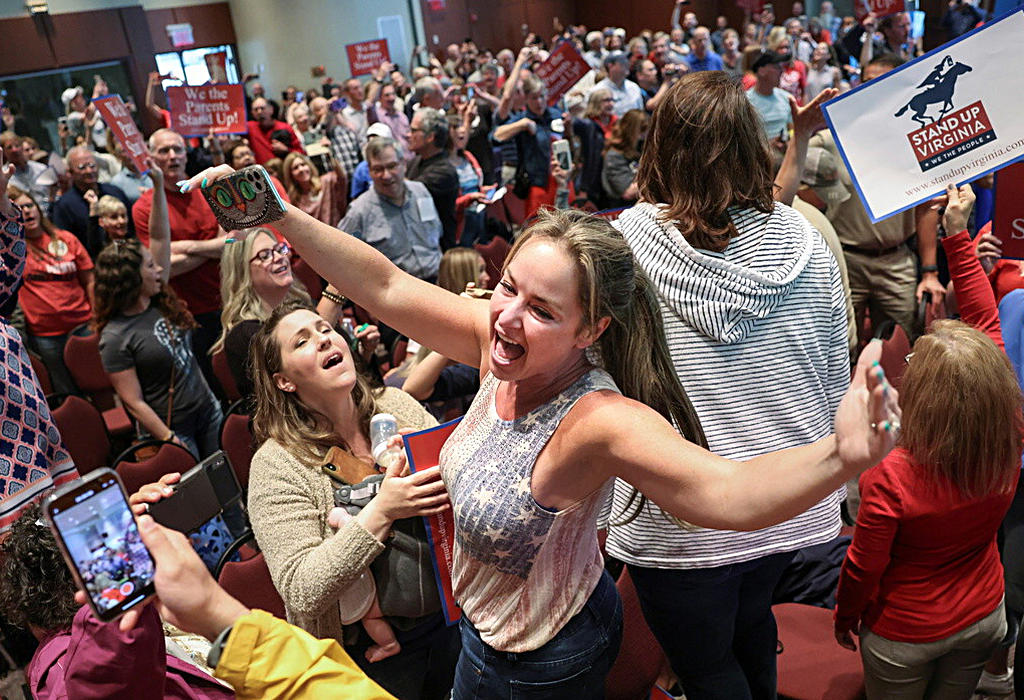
{"points": [[84, 37], [211, 25], [25, 46], [449, 25]]}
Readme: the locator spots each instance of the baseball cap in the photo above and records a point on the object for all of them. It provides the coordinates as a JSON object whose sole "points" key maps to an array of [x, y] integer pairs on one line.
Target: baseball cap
{"points": [[768, 58], [70, 94], [379, 129], [821, 173]]}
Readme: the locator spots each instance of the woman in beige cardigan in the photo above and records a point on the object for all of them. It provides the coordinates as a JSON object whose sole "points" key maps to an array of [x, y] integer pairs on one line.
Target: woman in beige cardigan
{"points": [[310, 398]]}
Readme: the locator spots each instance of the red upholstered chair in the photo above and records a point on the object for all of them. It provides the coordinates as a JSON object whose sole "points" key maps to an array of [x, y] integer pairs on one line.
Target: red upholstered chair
{"points": [[236, 441], [42, 374], [811, 665], [249, 581], [81, 427], [309, 278], [171, 457], [494, 253], [82, 357], [640, 658], [895, 349], [224, 376]]}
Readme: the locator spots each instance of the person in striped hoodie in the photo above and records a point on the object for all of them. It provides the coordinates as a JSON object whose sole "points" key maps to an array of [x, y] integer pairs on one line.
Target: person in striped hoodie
{"points": [[754, 314]]}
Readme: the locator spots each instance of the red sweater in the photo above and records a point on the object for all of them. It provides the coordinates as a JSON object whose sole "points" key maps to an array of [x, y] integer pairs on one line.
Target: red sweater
{"points": [[923, 563]]}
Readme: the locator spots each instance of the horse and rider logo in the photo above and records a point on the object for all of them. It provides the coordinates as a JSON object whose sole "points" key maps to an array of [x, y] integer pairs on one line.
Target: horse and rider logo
{"points": [[945, 132]]}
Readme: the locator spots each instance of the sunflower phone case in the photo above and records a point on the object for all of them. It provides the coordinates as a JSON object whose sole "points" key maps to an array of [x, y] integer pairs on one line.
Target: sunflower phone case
{"points": [[244, 199]]}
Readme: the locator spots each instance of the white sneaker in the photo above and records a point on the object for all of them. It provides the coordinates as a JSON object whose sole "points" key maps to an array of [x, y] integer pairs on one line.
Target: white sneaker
{"points": [[991, 684]]}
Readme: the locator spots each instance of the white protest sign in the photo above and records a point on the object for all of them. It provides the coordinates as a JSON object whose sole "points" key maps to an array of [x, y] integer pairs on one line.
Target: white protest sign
{"points": [[952, 115]]}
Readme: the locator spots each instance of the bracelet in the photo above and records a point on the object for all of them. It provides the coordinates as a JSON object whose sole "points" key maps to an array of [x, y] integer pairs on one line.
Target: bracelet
{"points": [[929, 268], [336, 298]]}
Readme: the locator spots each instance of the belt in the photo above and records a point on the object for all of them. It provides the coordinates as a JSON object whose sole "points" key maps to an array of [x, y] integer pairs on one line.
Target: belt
{"points": [[873, 252]]}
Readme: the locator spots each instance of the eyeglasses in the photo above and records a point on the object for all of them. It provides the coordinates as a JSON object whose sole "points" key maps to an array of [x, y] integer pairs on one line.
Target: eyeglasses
{"points": [[381, 169], [86, 166], [267, 254]]}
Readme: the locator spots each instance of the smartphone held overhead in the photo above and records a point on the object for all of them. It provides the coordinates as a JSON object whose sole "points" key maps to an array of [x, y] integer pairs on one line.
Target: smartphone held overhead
{"points": [[100, 540]]}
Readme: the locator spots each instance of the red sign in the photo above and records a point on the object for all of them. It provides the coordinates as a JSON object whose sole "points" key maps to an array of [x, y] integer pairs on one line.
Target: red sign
{"points": [[423, 451], [562, 70], [366, 56], [879, 8], [217, 65], [194, 110], [953, 135], [1008, 216], [122, 126]]}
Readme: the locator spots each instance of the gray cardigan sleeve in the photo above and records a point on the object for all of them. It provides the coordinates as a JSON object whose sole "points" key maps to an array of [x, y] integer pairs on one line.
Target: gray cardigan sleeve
{"points": [[616, 175], [289, 517]]}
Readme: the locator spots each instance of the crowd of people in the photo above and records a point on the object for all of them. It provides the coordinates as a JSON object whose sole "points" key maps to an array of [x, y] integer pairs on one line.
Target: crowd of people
{"points": [[675, 371]]}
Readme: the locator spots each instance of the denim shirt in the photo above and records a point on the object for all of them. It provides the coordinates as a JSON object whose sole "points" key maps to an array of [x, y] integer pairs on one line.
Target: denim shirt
{"points": [[535, 149]]}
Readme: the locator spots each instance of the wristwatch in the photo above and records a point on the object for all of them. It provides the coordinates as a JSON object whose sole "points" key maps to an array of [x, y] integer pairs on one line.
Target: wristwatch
{"points": [[218, 647], [929, 268]]}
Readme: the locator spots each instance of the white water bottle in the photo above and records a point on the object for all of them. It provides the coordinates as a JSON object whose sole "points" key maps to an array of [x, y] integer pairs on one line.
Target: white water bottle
{"points": [[383, 427]]}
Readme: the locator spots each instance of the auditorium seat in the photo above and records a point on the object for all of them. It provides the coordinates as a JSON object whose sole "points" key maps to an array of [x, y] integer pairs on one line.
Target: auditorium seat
{"points": [[811, 665], [170, 457], [84, 434], [249, 581], [219, 360], [640, 659], [82, 357]]}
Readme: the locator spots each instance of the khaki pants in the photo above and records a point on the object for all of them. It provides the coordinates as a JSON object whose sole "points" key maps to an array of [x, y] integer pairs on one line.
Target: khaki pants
{"points": [[886, 287], [944, 670]]}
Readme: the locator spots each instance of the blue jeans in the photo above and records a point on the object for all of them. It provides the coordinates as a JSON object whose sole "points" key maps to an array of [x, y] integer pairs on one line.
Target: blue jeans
{"points": [[423, 669], [573, 664], [51, 349], [716, 625], [200, 429]]}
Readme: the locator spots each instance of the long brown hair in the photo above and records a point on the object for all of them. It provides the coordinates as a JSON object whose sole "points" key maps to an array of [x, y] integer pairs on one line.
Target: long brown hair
{"points": [[962, 410], [705, 152], [294, 193], [44, 221], [626, 133], [281, 415], [119, 281], [633, 348]]}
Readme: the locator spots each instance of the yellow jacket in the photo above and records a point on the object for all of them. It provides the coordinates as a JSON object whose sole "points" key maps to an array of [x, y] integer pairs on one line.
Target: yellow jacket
{"points": [[267, 658]]}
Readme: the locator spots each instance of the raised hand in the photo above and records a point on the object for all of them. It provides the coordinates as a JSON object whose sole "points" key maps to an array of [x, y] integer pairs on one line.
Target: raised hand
{"points": [[958, 208], [989, 249], [868, 419]]}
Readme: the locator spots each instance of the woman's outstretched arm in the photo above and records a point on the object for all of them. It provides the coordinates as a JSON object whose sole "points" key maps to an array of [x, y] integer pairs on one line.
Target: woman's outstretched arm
{"points": [[455, 327], [633, 442]]}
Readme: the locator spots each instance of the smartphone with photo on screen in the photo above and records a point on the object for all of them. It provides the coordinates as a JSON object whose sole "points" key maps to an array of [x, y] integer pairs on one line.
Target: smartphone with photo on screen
{"points": [[100, 540], [562, 153]]}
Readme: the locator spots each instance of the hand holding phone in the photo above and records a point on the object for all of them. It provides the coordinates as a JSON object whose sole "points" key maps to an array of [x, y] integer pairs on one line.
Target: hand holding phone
{"points": [[100, 541]]}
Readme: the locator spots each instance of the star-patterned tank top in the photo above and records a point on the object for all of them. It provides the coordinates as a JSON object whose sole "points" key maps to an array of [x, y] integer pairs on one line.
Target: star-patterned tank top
{"points": [[521, 571]]}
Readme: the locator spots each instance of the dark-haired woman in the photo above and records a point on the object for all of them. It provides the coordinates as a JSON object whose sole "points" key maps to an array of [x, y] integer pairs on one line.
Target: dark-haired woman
{"points": [[754, 312], [922, 580], [621, 158], [146, 339], [57, 290]]}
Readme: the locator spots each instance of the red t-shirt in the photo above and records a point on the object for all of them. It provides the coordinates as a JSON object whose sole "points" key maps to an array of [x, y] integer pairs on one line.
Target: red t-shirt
{"points": [[191, 220], [794, 80], [259, 140], [52, 297]]}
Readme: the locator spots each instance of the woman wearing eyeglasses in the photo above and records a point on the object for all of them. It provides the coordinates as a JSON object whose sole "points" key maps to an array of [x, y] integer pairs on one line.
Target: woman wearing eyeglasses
{"points": [[146, 338], [255, 278]]}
